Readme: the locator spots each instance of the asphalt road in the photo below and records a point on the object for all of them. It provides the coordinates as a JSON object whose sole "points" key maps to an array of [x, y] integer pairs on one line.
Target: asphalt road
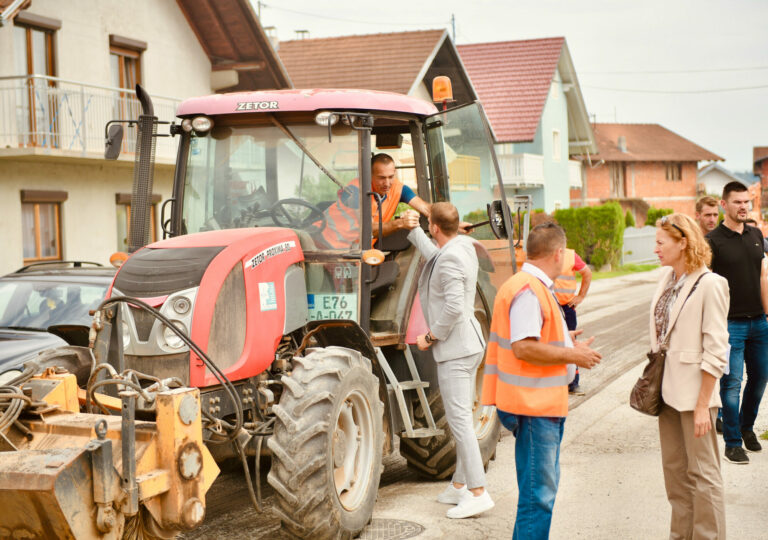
{"points": [[615, 312]]}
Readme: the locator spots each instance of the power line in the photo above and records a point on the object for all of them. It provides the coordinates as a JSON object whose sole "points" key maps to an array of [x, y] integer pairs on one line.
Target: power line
{"points": [[705, 91], [672, 71], [355, 21]]}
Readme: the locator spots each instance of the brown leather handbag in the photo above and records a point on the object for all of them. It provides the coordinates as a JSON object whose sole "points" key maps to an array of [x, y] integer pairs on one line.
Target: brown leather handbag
{"points": [[646, 394]]}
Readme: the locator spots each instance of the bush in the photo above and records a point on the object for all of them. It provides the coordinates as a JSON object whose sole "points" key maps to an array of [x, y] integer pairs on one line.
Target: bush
{"points": [[629, 219], [484, 231], [595, 232], [654, 214]]}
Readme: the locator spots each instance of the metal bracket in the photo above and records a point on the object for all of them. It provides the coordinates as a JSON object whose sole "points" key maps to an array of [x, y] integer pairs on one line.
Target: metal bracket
{"points": [[103, 477]]}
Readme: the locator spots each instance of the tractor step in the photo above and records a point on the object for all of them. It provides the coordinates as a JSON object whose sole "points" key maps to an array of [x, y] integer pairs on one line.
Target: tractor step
{"points": [[419, 433], [399, 388]]}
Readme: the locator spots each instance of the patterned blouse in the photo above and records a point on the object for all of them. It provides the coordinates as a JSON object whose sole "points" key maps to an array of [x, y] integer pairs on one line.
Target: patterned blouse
{"points": [[664, 306]]}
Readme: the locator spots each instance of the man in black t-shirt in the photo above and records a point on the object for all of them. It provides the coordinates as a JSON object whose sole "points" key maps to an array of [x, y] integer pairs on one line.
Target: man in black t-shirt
{"points": [[737, 254]]}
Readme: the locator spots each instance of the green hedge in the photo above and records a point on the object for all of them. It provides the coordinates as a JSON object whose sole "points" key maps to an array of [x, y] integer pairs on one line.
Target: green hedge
{"points": [[629, 219], [595, 232], [655, 214]]}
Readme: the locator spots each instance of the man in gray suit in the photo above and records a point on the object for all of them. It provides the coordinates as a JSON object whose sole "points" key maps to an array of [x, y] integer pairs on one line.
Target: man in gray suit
{"points": [[447, 291]]}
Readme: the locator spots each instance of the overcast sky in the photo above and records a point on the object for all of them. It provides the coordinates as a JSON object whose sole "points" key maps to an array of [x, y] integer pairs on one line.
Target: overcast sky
{"points": [[640, 61]]}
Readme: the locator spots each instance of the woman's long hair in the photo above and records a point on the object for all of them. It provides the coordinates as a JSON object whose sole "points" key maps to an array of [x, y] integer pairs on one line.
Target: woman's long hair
{"points": [[697, 251]]}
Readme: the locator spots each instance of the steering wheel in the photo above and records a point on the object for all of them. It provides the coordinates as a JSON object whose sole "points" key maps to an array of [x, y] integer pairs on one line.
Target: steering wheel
{"points": [[282, 217]]}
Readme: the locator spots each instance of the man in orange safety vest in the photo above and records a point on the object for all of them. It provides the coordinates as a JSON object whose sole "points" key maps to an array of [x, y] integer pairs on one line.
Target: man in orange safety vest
{"points": [[526, 375]]}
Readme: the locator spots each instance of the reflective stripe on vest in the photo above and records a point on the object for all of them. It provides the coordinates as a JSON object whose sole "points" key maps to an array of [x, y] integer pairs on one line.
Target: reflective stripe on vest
{"points": [[516, 386], [565, 284], [341, 227]]}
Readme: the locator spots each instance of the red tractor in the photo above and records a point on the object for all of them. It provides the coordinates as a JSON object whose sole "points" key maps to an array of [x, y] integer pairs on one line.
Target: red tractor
{"points": [[295, 342]]}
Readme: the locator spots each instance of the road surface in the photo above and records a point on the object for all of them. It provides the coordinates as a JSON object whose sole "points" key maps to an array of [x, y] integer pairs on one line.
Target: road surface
{"points": [[615, 312]]}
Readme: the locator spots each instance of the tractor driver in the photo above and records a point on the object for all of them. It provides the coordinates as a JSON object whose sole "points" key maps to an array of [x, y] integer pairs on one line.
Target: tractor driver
{"points": [[341, 217], [392, 192]]}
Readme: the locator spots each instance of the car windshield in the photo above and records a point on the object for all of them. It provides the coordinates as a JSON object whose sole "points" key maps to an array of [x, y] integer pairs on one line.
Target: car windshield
{"points": [[275, 174], [37, 305]]}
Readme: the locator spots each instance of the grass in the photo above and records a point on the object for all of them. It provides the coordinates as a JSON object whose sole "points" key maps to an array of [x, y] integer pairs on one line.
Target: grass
{"points": [[624, 270], [764, 436]]}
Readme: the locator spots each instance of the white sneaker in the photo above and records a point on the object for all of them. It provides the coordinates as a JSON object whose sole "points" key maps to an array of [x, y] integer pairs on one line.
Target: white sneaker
{"points": [[451, 495], [471, 505]]}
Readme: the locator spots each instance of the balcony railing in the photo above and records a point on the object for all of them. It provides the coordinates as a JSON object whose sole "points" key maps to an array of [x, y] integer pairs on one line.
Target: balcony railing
{"points": [[522, 170], [574, 174], [68, 116]]}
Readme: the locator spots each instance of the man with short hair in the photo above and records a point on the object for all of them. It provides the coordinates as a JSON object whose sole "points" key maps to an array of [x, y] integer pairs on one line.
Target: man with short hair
{"points": [[447, 288], [526, 375], [707, 214], [737, 255]]}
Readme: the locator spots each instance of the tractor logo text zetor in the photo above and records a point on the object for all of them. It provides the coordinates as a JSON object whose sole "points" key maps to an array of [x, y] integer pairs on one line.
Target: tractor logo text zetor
{"points": [[256, 105], [277, 249]]}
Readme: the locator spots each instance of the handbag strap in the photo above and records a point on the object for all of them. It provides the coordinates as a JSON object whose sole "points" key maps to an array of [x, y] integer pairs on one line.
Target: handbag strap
{"points": [[665, 343]]}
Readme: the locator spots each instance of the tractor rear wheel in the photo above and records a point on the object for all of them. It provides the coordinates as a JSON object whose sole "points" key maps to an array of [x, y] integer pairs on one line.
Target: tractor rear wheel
{"points": [[327, 445], [435, 457]]}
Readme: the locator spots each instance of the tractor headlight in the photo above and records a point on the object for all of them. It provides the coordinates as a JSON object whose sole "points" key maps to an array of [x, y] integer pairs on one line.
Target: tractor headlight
{"points": [[186, 125], [171, 339], [181, 305], [326, 118], [202, 124]]}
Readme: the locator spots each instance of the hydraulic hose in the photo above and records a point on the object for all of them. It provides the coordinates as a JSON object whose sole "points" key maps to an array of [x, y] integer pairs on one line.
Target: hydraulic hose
{"points": [[229, 388]]}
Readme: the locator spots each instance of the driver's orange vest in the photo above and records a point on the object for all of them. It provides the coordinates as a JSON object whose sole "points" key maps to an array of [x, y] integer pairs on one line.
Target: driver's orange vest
{"points": [[565, 284], [511, 384], [342, 228]]}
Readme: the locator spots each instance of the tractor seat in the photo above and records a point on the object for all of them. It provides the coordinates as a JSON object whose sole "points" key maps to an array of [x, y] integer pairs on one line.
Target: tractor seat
{"points": [[397, 241], [384, 275]]}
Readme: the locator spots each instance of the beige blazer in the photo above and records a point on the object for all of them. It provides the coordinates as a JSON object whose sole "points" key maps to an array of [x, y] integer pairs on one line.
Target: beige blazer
{"points": [[698, 340]]}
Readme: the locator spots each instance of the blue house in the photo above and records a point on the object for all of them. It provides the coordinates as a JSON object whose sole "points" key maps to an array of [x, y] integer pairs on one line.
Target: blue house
{"points": [[533, 102]]}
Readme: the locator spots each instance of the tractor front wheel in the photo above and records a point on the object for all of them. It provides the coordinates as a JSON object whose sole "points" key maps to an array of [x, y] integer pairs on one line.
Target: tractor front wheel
{"points": [[327, 445]]}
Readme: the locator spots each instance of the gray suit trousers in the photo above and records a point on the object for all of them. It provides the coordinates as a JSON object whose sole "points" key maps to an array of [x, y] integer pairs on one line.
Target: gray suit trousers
{"points": [[456, 378]]}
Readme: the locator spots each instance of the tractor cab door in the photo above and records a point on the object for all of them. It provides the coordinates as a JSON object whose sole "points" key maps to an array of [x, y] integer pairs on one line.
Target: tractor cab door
{"points": [[464, 171]]}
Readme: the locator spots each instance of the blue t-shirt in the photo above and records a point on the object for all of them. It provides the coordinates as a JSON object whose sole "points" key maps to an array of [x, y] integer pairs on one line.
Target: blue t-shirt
{"points": [[406, 194]]}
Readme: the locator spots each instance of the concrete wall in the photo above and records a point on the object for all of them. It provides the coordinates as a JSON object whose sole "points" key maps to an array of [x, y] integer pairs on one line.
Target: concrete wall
{"points": [[174, 63], [88, 216]]}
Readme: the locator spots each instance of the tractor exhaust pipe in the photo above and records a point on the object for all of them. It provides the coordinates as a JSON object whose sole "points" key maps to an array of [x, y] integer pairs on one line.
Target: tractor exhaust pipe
{"points": [[143, 174]]}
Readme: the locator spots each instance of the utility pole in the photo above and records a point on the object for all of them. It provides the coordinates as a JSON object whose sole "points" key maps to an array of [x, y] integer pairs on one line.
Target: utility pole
{"points": [[453, 26]]}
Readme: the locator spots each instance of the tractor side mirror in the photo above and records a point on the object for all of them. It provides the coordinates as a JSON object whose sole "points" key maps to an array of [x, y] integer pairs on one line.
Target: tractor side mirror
{"points": [[114, 141], [496, 220]]}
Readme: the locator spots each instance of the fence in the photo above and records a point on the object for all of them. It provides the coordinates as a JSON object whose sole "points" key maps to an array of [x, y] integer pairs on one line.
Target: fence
{"points": [[53, 113], [639, 245]]}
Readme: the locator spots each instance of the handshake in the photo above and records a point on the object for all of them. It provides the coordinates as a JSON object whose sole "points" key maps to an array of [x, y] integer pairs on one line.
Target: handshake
{"points": [[409, 219]]}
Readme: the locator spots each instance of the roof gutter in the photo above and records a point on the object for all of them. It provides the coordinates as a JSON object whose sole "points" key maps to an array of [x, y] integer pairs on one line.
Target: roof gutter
{"points": [[10, 11]]}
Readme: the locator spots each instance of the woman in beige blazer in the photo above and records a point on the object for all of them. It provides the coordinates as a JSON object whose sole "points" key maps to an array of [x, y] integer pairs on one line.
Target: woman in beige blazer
{"points": [[696, 326]]}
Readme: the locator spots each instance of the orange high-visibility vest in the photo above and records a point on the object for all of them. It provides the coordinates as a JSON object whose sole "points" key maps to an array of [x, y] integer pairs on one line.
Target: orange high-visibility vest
{"points": [[388, 205], [511, 384], [342, 228], [565, 284]]}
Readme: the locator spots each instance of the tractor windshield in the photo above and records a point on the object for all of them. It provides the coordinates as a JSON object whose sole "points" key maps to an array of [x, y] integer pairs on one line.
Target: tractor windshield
{"points": [[275, 174]]}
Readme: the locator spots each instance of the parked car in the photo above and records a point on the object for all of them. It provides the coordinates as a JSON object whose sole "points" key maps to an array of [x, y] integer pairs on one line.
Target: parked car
{"points": [[46, 305]]}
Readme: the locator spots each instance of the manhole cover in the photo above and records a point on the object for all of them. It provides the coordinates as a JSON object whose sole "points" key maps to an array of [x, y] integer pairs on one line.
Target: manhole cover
{"points": [[391, 529]]}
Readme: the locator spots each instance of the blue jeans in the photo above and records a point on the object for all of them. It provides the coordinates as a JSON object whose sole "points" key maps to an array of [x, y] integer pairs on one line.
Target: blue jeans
{"points": [[749, 347], [537, 461]]}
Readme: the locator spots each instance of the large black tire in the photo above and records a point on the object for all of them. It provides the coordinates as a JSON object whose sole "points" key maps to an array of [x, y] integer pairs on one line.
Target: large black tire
{"points": [[327, 445], [435, 457]]}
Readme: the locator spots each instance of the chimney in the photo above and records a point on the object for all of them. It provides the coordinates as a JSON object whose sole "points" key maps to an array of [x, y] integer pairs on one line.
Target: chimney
{"points": [[271, 32], [622, 143]]}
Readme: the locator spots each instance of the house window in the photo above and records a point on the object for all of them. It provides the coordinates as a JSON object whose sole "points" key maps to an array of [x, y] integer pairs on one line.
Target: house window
{"points": [[556, 149], [34, 55], [124, 219], [674, 172], [41, 224]]}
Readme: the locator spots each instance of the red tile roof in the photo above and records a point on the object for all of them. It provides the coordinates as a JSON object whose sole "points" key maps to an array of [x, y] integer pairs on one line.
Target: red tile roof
{"points": [[647, 142], [390, 62], [512, 79]]}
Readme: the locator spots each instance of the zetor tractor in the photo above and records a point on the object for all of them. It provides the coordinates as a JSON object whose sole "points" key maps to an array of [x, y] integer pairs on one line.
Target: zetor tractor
{"points": [[300, 336]]}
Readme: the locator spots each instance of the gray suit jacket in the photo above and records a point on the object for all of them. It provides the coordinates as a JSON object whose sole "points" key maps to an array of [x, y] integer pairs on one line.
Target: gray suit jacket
{"points": [[447, 288]]}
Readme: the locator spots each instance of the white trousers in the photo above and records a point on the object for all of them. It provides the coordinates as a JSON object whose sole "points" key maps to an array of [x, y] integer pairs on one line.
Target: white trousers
{"points": [[457, 387]]}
